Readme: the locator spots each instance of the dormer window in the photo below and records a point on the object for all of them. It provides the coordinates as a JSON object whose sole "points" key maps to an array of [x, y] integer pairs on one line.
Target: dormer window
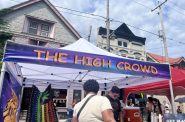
{"points": [[39, 27]]}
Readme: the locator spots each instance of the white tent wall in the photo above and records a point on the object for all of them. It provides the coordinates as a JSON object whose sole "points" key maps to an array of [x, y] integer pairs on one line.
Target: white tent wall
{"points": [[14, 72], [14, 69]]}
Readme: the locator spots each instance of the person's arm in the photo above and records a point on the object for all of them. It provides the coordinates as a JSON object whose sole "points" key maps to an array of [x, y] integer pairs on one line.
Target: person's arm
{"points": [[120, 111], [121, 116], [108, 116], [74, 119]]}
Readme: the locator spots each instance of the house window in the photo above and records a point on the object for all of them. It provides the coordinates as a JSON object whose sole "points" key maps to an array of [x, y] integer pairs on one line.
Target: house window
{"points": [[123, 51], [33, 27], [119, 43], [138, 55], [37, 42], [122, 44], [45, 30], [39, 27]]}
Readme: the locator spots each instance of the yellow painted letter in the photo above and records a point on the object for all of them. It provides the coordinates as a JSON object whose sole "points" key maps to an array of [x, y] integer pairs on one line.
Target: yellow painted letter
{"points": [[39, 53], [62, 57], [79, 60]]}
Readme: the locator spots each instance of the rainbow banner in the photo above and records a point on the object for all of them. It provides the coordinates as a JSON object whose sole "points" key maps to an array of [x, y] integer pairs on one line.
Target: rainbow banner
{"points": [[71, 59], [41, 108]]}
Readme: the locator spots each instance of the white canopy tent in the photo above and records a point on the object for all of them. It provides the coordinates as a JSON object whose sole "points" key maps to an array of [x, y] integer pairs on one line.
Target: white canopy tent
{"points": [[69, 67], [62, 77]]}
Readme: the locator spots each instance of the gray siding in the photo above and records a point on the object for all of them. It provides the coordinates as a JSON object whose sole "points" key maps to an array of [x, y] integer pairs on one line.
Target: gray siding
{"points": [[40, 10]]}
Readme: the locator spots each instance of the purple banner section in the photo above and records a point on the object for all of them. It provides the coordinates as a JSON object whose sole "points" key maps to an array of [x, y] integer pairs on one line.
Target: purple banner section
{"points": [[71, 59], [10, 99]]}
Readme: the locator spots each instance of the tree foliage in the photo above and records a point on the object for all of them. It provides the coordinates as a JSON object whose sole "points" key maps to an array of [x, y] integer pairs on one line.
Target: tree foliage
{"points": [[5, 34]]}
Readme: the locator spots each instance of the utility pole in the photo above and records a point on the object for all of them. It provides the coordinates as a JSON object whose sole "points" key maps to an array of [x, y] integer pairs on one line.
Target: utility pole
{"points": [[89, 36], [108, 27], [166, 50]]}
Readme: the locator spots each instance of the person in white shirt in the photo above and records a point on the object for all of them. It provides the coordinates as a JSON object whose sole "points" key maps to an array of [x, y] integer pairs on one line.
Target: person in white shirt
{"points": [[97, 109], [166, 107]]}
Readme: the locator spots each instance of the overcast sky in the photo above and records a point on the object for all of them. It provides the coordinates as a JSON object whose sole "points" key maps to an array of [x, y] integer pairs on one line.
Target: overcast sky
{"points": [[136, 13]]}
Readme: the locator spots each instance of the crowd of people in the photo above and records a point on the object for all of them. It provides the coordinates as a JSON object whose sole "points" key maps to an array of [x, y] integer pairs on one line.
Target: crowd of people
{"points": [[154, 106], [96, 108], [150, 106]]}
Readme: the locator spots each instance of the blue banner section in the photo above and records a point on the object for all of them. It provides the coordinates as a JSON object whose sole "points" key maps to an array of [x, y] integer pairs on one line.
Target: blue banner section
{"points": [[174, 117], [71, 59], [10, 99]]}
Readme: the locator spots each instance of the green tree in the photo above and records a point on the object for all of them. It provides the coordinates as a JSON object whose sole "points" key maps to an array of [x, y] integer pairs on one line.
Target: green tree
{"points": [[5, 34]]}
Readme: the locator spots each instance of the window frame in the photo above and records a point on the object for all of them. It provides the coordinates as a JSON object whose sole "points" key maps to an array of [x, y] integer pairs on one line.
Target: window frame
{"points": [[37, 42], [30, 27], [123, 43], [40, 29]]}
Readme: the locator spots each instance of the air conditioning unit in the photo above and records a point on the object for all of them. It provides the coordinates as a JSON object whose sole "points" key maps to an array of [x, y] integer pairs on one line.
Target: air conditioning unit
{"points": [[44, 34]]}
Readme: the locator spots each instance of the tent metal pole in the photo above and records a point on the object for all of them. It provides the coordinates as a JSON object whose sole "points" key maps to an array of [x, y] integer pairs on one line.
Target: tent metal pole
{"points": [[172, 93], [3, 70]]}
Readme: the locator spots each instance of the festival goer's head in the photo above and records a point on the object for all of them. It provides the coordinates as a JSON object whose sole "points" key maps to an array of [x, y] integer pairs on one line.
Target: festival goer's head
{"points": [[91, 85], [150, 99], [155, 101], [129, 102], [114, 92]]}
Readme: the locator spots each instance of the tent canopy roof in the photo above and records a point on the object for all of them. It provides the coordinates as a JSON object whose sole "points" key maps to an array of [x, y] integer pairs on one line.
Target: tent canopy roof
{"points": [[162, 88], [41, 72]]}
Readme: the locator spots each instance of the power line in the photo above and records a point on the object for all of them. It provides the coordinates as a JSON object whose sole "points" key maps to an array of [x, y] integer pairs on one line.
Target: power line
{"points": [[80, 12], [182, 44], [113, 20], [15, 1], [81, 15], [101, 17], [151, 9], [176, 10], [175, 5], [142, 5]]}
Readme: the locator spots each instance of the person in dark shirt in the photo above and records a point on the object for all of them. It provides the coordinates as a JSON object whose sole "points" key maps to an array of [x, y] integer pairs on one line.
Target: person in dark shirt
{"points": [[116, 105]]}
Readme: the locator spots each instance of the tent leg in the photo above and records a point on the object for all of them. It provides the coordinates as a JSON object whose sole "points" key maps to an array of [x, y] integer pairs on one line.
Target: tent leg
{"points": [[2, 77], [172, 97]]}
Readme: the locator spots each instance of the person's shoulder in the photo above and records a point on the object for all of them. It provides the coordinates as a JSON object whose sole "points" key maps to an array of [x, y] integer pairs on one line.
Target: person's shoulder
{"points": [[77, 105], [102, 98]]}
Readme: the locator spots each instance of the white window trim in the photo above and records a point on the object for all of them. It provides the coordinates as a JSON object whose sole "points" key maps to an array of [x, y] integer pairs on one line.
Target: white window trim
{"points": [[123, 40], [122, 45]]}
